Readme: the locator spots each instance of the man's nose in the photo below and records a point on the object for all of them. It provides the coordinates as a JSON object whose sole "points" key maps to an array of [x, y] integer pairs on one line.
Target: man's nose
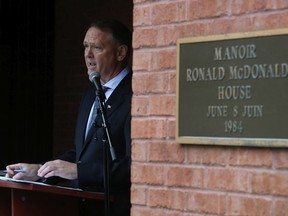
{"points": [[89, 52]]}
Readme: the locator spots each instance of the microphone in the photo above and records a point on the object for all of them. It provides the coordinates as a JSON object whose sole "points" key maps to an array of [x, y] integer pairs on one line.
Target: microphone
{"points": [[94, 77]]}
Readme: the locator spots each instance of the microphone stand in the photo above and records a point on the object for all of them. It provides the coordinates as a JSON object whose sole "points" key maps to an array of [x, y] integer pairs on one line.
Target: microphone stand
{"points": [[100, 97]]}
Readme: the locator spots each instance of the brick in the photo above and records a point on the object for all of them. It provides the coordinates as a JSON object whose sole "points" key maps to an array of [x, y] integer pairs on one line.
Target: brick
{"points": [[148, 37], [190, 176], [206, 9], [240, 7], [245, 205], [281, 207], [273, 21], [148, 128], [280, 158], [282, 4], [145, 83], [141, 15], [198, 28], [269, 183], [136, 43], [162, 105], [143, 64], [139, 128], [260, 22], [171, 83], [206, 203], [146, 211], [167, 12], [184, 30], [171, 130], [162, 38], [138, 195], [173, 199], [208, 156], [256, 157], [228, 180], [139, 106], [163, 59], [149, 174], [139, 84], [158, 82], [165, 152], [139, 150]]}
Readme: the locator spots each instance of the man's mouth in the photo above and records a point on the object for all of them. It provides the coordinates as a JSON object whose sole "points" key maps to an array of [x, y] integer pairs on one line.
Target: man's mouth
{"points": [[91, 66]]}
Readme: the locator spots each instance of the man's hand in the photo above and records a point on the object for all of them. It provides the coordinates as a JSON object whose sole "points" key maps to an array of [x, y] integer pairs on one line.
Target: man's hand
{"points": [[30, 171], [58, 168]]}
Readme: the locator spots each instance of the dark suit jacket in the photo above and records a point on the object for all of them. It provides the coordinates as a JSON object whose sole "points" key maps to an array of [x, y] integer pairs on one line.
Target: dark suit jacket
{"points": [[89, 154]]}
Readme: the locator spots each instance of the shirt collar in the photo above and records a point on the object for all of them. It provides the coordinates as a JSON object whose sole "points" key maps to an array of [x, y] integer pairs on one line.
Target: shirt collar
{"points": [[113, 83]]}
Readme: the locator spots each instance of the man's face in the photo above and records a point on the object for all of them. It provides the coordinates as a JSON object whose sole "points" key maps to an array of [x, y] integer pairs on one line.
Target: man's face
{"points": [[100, 52]]}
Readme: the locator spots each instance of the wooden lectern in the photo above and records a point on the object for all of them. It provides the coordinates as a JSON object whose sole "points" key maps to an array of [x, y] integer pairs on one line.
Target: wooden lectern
{"points": [[28, 199]]}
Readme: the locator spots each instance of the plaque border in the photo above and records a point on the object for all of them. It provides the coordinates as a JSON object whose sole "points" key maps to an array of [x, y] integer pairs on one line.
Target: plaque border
{"points": [[225, 141]]}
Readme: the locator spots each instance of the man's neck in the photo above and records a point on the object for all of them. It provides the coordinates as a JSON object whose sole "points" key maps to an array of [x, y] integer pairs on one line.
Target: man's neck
{"points": [[106, 78]]}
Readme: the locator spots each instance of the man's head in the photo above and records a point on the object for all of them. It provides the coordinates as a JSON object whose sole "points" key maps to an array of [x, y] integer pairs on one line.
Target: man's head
{"points": [[107, 48]]}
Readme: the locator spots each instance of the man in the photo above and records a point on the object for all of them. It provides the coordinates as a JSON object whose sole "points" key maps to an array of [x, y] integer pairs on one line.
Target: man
{"points": [[107, 49]]}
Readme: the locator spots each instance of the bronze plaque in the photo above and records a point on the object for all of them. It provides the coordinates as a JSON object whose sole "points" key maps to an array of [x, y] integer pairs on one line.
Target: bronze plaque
{"points": [[233, 89]]}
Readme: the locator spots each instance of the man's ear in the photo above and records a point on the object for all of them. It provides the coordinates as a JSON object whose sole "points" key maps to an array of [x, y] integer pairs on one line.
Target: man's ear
{"points": [[122, 51]]}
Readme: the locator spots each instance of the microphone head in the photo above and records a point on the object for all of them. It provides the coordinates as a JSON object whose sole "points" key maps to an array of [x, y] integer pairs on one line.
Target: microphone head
{"points": [[94, 75]]}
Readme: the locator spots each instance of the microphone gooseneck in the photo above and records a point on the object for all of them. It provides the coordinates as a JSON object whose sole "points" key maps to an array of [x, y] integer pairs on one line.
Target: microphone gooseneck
{"points": [[94, 77]]}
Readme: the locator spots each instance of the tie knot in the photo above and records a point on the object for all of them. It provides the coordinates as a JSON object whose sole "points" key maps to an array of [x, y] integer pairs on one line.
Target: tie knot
{"points": [[105, 88]]}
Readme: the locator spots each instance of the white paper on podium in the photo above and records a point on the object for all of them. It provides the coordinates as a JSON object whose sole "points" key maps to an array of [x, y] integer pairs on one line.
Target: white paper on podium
{"points": [[22, 181], [34, 182]]}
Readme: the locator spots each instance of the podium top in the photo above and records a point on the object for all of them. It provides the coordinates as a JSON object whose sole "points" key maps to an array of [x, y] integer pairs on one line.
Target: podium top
{"points": [[46, 188]]}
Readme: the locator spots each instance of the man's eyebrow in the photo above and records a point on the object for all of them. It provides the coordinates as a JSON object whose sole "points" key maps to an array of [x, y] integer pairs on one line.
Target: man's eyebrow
{"points": [[91, 43]]}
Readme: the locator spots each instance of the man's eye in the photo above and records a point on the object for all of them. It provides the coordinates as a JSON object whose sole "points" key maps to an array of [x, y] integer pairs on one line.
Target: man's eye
{"points": [[97, 48]]}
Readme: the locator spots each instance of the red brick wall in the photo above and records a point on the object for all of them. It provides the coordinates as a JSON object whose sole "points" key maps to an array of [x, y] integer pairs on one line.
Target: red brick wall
{"points": [[173, 179]]}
